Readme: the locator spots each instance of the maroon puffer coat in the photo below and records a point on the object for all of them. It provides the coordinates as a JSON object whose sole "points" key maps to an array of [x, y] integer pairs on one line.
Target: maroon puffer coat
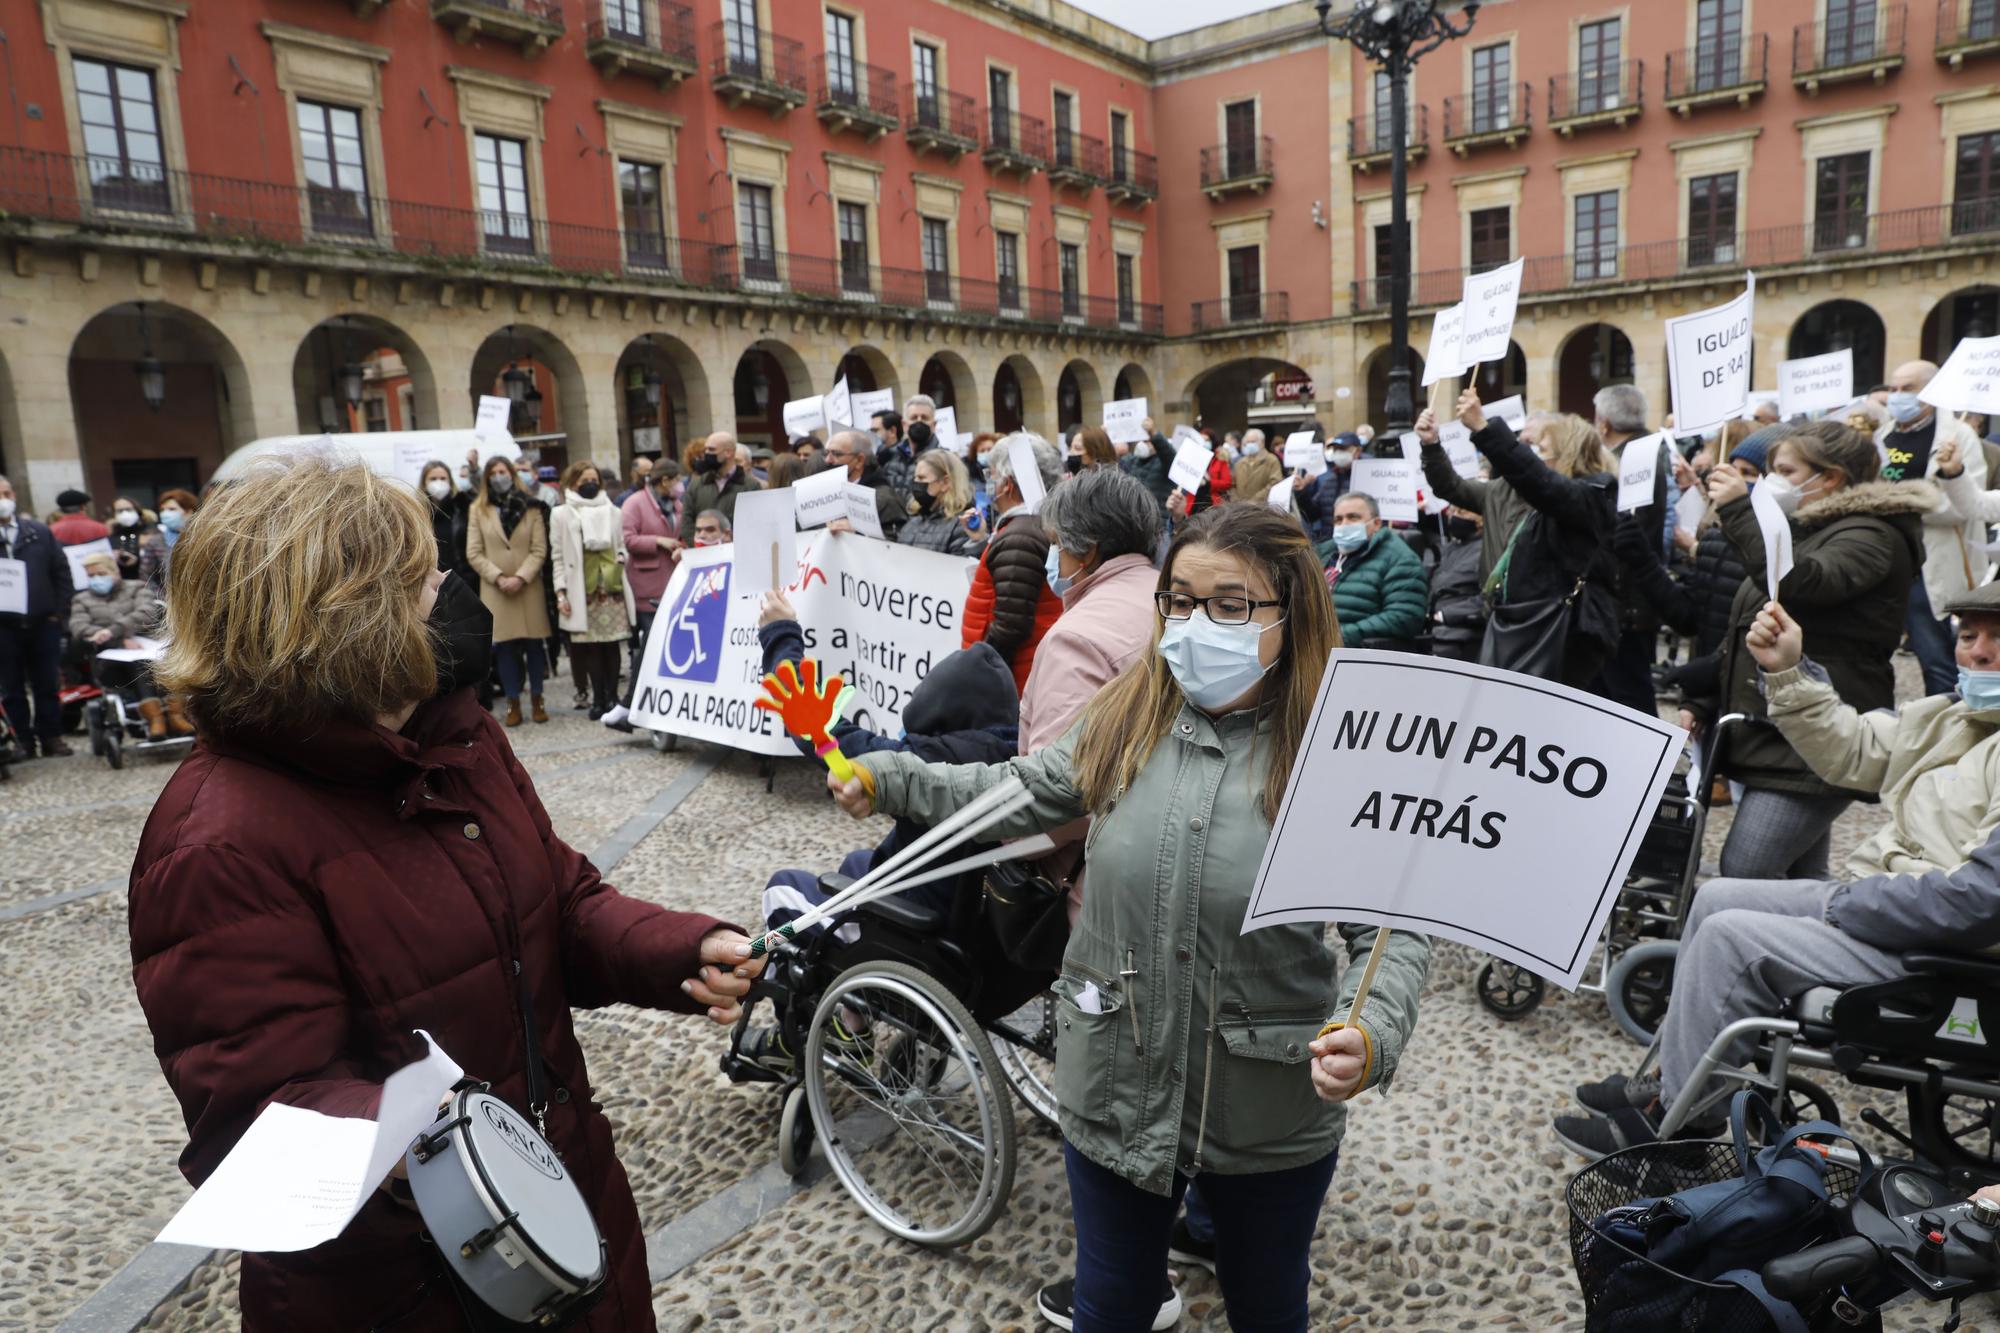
{"points": [[300, 903]]}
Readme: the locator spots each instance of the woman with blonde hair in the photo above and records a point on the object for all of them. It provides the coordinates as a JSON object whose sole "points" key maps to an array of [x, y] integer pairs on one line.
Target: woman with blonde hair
{"points": [[1182, 763], [594, 603], [1551, 509], [506, 545], [941, 493], [350, 853]]}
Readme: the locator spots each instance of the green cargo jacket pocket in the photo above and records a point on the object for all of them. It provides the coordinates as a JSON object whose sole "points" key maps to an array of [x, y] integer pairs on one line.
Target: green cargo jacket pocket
{"points": [[1263, 1082], [1087, 1051]]}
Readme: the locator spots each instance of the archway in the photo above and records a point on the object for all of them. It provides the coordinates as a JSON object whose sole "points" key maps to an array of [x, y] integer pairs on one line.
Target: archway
{"points": [[160, 397], [551, 418], [1973, 312], [769, 374], [1239, 394], [867, 370], [1375, 374], [357, 373], [1832, 325], [1018, 400], [948, 382], [1134, 382], [1593, 357], [662, 397], [1500, 379], [1079, 397]]}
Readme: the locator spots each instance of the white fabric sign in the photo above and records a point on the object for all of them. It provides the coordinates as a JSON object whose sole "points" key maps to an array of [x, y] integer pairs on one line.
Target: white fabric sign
{"points": [[1815, 383], [1440, 789], [81, 552], [1490, 302], [861, 512], [1302, 450], [1122, 418], [1777, 530], [1442, 359], [866, 405], [763, 538], [879, 615], [1969, 380], [1190, 466], [1027, 473], [1638, 464], [818, 500], [1708, 363], [14, 587], [803, 416], [838, 405], [1395, 483], [494, 412]]}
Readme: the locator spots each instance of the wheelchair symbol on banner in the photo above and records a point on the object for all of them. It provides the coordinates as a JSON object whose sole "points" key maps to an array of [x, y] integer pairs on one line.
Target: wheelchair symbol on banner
{"points": [[693, 646]]}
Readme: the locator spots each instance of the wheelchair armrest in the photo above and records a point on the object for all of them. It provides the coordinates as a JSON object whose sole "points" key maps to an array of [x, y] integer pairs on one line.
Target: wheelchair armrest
{"points": [[900, 911], [1971, 967]]}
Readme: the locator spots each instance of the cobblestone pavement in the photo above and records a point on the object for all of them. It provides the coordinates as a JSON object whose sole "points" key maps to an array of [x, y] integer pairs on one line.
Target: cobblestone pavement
{"points": [[1446, 1213]]}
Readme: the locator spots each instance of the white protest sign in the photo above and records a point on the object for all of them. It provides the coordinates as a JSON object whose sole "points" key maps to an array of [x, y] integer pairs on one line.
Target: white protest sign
{"points": [[879, 615], [803, 416], [1708, 363], [1777, 530], [1122, 418], [1413, 454], [861, 512], [866, 405], [1690, 509], [1490, 301], [1302, 450], [1815, 383], [81, 552], [1969, 380], [1512, 410], [1442, 359], [1394, 482], [1189, 469], [13, 587], [946, 431], [762, 539], [1027, 473], [1441, 790], [1638, 464], [1457, 443], [1183, 432], [406, 462], [494, 412], [1279, 497], [818, 500], [1412, 445], [837, 405]]}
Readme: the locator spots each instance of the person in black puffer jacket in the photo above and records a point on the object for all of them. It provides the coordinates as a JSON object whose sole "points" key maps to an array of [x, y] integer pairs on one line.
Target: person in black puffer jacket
{"points": [[448, 505], [1458, 607]]}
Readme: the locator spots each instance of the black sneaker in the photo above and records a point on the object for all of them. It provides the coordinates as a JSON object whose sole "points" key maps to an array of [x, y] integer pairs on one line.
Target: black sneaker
{"points": [[765, 1046], [1055, 1301], [1596, 1136], [1615, 1092], [1184, 1249]]}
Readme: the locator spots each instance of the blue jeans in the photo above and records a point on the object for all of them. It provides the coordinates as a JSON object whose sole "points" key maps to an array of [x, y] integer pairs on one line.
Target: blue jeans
{"points": [[511, 655], [1263, 1244], [1933, 641]]}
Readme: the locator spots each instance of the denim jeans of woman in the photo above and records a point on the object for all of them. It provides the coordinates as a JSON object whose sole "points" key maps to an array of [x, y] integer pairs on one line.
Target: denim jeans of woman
{"points": [[512, 655], [1263, 1243]]}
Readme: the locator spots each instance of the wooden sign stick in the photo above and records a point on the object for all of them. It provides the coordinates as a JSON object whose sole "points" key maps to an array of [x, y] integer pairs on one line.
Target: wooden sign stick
{"points": [[1382, 934]]}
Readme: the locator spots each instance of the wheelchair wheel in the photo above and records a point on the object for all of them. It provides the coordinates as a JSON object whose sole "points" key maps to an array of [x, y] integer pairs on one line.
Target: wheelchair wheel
{"points": [[93, 722], [1638, 987], [1510, 991], [1032, 1074], [908, 1103], [1805, 1100], [795, 1132], [662, 741], [114, 749], [1956, 1131]]}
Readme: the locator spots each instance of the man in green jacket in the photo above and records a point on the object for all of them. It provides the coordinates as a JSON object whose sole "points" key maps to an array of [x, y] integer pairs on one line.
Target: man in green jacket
{"points": [[1380, 591], [719, 479]]}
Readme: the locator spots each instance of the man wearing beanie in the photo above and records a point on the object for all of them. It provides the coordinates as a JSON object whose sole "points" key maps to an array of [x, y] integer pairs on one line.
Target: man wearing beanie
{"points": [[76, 526]]}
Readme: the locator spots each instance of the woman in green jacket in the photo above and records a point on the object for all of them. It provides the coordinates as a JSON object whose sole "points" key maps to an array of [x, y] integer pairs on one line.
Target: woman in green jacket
{"points": [[1184, 1047]]}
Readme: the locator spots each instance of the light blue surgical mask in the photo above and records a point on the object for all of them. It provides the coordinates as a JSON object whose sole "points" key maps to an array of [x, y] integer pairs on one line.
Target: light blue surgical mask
{"points": [[1213, 664], [1059, 583], [1905, 407], [102, 584], [171, 519], [1350, 537], [1979, 689]]}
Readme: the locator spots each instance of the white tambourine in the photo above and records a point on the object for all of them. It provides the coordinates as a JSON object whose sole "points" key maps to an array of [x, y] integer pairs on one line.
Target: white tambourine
{"points": [[504, 1211]]}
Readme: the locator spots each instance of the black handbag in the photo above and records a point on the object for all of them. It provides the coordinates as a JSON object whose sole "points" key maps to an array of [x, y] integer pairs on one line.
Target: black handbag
{"points": [[1531, 638], [1028, 914]]}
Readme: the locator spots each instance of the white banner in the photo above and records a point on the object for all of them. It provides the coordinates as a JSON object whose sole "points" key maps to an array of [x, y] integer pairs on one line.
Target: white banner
{"points": [[1815, 384], [14, 587], [1443, 359], [1396, 484], [1969, 380], [1708, 363], [1122, 418], [1490, 301], [1441, 790], [1638, 464], [879, 615], [81, 552]]}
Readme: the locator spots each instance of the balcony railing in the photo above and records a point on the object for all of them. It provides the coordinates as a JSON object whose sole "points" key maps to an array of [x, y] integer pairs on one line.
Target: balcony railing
{"points": [[759, 67], [530, 24], [1869, 44], [1239, 164], [1242, 308], [1972, 223], [57, 189], [852, 95], [654, 38], [1075, 159], [1967, 28], [1014, 142], [1371, 138], [1132, 176], [1486, 115], [939, 119], [1718, 72], [1613, 94]]}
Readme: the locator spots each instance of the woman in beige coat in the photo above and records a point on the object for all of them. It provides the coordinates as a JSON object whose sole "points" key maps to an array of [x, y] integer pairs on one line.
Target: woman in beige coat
{"points": [[507, 543], [593, 599]]}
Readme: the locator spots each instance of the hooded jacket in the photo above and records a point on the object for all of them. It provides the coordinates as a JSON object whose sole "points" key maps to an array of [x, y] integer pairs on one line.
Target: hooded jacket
{"points": [[1010, 604], [1381, 592], [1855, 554]]}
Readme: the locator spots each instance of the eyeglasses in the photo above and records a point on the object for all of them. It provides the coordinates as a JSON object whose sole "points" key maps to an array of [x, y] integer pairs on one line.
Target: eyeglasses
{"points": [[1226, 609]]}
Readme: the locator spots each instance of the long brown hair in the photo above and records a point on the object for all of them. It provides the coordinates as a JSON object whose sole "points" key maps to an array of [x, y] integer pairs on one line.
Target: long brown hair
{"points": [[1130, 715]]}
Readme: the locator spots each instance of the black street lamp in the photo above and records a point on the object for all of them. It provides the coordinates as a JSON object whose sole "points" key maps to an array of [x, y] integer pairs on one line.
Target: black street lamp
{"points": [[348, 375], [1393, 34], [152, 375]]}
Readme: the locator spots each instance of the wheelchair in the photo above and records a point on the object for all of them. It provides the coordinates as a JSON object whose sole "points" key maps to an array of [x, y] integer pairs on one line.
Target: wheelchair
{"points": [[907, 1043], [113, 722]]}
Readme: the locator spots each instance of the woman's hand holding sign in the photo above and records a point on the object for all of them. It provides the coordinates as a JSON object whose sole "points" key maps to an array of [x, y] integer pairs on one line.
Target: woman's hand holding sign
{"points": [[1339, 1064], [1470, 414], [1726, 484], [726, 973], [1775, 639]]}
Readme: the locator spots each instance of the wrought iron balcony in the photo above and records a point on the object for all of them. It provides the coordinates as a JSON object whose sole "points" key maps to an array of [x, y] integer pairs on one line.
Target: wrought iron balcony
{"points": [[651, 39], [857, 97], [1014, 142], [756, 68], [1370, 139], [529, 24], [1242, 308], [1486, 117], [1076, 161], [1237, 166], [1867, 45], [1133, 177], [1715, 73], [1967, 29], [1608, 96], [937, 120]]}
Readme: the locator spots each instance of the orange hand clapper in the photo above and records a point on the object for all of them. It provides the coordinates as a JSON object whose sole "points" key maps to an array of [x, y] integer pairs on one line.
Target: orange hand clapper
{"points": [[809, 707]]}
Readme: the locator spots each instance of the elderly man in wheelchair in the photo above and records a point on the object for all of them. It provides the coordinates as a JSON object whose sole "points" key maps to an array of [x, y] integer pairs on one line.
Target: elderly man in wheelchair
{"points": [[1891, 978]]}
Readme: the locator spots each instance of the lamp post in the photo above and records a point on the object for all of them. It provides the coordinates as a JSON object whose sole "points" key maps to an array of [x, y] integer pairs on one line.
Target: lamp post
{"points": [[152, 375], [1393, 34]]}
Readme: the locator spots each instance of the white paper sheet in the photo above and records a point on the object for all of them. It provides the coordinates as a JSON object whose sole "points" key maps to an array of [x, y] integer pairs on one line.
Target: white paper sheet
{"points": [[862, 515], [764, 537], [1395, 483], [1280, 496], [1638, 464], [1815, 383], [817, 500], [1777, 530], [1512, 410], [947, 434], [1690, 509], [838, 405], [866, 405], [1969, 380], [1027, 474], [1490, 300], [1190, 466], [803, 416], [297, 1178], [1458, 446], [14, 587], [1442, 359], [1122, 418], [1708, 362], [1302, 450], [493, 415]]}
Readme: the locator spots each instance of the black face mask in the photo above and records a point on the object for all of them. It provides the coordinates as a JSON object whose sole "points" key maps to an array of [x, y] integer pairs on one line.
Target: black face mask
{"points": [[1460, 529], [1073, 464], [590, 490], [925, 500], [463, 635], [920, 434], [708, 465]]}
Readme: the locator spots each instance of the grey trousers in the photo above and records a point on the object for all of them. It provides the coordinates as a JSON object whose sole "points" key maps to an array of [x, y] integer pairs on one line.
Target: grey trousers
{"points": [[1750, 945], [1780, 835]]}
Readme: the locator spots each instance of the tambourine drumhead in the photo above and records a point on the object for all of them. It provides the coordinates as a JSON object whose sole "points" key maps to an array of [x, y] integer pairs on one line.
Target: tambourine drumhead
{"points": [[523, 1175]]}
